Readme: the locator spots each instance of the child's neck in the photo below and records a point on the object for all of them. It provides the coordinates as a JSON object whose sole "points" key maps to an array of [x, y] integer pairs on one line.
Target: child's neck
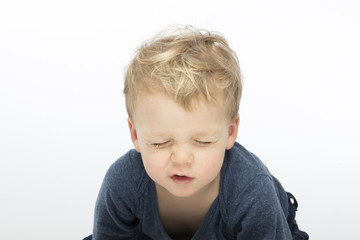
{"points": [[182, 216]]}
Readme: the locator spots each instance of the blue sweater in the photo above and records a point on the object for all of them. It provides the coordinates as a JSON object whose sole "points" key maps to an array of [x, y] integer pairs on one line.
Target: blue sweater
{"points": [[251, 203]]}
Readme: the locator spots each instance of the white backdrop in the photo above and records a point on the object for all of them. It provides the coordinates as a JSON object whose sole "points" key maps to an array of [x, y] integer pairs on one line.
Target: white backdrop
{"points": [[63, 120]]}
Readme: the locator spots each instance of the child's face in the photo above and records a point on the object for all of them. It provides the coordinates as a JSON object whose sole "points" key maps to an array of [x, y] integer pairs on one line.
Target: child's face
{"points": [[182, 151]]}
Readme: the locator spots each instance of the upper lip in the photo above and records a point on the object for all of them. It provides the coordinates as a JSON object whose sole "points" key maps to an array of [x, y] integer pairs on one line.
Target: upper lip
{"points": [[180, 175]]}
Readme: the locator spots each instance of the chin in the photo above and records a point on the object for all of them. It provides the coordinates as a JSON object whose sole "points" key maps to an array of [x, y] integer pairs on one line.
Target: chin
{"points": [[182, 192]]}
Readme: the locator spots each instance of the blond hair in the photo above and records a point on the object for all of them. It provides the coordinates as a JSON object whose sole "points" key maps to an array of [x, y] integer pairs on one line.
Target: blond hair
{"points": [[186, 64]]}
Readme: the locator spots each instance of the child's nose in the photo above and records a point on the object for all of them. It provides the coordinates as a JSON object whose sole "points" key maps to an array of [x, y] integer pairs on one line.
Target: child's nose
{"points": [[182, 156]]}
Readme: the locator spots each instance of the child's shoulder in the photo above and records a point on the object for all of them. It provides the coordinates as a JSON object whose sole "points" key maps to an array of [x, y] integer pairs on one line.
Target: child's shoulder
{"points": [[126, 173], [244, 174], [244, 164], [248, 186]]}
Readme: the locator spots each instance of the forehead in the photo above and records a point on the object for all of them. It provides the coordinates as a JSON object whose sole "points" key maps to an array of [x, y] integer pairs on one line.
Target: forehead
{"points": [[159, 112]]}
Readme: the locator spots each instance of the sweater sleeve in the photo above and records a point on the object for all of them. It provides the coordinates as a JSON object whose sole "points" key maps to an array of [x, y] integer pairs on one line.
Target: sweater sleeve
{"points": [[258, 214], [115, 206]]}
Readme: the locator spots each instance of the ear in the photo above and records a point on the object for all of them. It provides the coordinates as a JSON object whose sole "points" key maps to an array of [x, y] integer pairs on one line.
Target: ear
{"points": [[233, 132], [133, 134]]}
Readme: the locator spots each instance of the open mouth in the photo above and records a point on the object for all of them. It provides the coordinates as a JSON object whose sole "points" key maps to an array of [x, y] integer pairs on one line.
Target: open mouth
{"points": [[181, 176], [181, 179]]}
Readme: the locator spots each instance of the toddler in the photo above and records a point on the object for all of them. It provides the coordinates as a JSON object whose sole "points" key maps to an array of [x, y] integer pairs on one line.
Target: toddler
{"points": [[187, 177]]}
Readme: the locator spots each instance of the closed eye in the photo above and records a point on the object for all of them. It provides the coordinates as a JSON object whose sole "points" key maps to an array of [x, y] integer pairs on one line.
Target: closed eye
{"points": [[203, 143], [157, 145]]}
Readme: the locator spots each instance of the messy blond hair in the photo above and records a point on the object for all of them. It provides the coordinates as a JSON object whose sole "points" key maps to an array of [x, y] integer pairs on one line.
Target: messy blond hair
{"points": [[187, 64]]}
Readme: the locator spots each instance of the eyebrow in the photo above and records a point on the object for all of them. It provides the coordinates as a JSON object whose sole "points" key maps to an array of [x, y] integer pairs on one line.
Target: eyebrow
{"points": [[155, 133], [207, 134], [212, 134]]}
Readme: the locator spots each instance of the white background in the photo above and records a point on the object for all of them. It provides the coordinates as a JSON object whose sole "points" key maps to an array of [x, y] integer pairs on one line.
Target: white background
{"points": [[63, 120]]}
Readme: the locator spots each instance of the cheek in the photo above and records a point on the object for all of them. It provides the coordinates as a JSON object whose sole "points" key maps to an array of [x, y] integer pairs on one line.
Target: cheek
{"points": [[211, 162], [154, 164]]}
